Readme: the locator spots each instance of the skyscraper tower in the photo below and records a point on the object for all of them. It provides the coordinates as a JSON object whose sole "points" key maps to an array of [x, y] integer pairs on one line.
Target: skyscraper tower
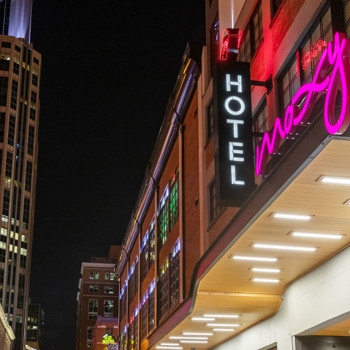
{"points": [[20, 67]]}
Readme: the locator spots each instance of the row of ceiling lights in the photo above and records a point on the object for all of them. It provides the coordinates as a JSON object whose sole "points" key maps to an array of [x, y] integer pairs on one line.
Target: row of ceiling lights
{"points": [[202, 337]]}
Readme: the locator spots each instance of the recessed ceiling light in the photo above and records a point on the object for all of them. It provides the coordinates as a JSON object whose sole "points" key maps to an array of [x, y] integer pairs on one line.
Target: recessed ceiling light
{"points": [[196, 333], [203, 319], [268, 280], [188, 338], [316, 235], [222, 316], [258, 269], [223, 325], [334, 180], [283, 247], [291, 216], [223, 329], [253, 258], [194, 341], [169, 344], [169, 347]]}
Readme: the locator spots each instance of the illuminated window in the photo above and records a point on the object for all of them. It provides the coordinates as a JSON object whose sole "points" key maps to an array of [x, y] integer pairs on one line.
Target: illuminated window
{"points": [[163, 289], [147, 250], [174, 199], [108, 308], [163, 218], [123, 300], [94, 275], [175, 274], [133, 281], [151, 306], [143, 311], [93, 309], [109, 290], [214, 207], [93, 289], [303, 65], [252, 35]]}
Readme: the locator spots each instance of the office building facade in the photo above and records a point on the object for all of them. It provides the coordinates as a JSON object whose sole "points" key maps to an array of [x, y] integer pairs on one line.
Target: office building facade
{"points": [[20, 67], [97, 297], [242, 242]]}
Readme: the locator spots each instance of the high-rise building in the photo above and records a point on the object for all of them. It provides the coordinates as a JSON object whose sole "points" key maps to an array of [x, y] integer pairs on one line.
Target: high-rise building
{"points": [[20, 67], [98, 296], [34, 326]]}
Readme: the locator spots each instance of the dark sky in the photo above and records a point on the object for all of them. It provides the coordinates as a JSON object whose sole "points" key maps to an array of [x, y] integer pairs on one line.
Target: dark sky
{"points": [[108, 70]]}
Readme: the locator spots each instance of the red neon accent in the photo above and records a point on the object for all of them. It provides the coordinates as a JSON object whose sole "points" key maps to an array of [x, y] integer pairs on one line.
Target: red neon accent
{"points": [[312, 53], [224, 48], [336, 55]]}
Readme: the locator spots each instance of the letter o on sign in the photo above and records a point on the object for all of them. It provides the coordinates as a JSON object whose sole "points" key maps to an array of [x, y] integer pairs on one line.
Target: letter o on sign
{"points": [[239, 100]]}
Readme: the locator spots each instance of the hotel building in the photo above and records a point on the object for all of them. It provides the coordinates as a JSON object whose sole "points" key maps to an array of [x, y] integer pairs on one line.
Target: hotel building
{"points": [[240, 237], [20, 67]]}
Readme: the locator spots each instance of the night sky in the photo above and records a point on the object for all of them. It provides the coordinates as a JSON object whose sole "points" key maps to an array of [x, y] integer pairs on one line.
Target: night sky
{"points": [[109, 68]]}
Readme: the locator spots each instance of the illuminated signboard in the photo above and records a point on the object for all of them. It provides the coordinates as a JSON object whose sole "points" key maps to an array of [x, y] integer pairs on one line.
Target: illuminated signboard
{"points": [[234, 148], [332, 79]]}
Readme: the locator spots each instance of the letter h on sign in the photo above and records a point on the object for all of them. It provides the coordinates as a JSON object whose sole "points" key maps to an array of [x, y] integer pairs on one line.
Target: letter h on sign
{"points": [[234, 148]]}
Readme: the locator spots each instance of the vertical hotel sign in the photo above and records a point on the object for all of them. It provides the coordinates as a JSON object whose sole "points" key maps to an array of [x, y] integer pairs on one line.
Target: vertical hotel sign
{"points": [[234, 165]]}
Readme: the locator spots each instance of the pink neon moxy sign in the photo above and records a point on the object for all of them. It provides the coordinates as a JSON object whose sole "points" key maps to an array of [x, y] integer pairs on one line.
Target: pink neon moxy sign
{"points": [[331, 76]]}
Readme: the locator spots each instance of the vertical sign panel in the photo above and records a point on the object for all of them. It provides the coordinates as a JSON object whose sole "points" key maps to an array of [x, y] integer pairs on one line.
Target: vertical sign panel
{"points": [[234, 147]]}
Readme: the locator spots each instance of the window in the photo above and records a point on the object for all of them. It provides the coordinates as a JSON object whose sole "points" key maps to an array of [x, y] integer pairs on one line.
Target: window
{"points": [[302, 67], [14, 94], [143, 311], [109, 290], [34, 79], [144, 256], [174, 199], [347, 17], [33, 97], [214, 44], [163, 290], [3, 90], [133, 281], [35, 60], [11, 133], [175, 274], [93, 308], [17, 48], [2, 125], [32, 114], [26, 209], [29, 169], [90, 332], [93, 289], [123, 300], [151, 306], [260, 123], [6, 204], [163, 217], [6, 44], [94, 275], [111, 276], [4, 64], [214, 207], [210, 119], [9, 158], [31, 134], [252, 35], [16, 68], [275, 4], [108, 308]]}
